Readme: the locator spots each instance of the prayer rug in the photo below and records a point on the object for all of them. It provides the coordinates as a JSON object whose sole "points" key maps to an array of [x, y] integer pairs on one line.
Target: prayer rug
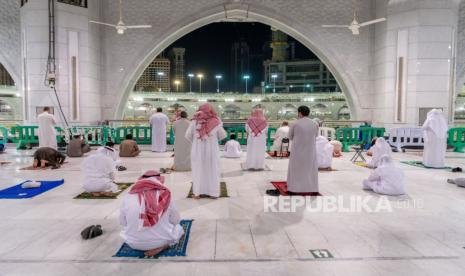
{"points": [[16, 192], [420, 165], [362, 164], [178, 249], [31, 168], [223, 191], [255, 170], [326, 170], [121, 186], [281, 186], [5, 162], [278, 155]]}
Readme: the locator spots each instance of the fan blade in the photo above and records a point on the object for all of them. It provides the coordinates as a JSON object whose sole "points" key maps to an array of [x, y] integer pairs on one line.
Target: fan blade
{"points": [[139, 26], [372, 22], [101, 23], [335, 26]]}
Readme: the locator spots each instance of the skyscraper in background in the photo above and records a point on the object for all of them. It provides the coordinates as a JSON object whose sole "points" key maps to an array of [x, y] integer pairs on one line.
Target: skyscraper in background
{"points": [[156, 77], [178, 64], [240, 64]]}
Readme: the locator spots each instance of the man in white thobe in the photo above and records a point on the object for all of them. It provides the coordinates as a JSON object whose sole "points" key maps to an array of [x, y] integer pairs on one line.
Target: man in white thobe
{"points": [[380, 148], [232, 148], [159, 121], [182, 146], [47, 134], [99, 173], [205, 130], [324, 152], [111, 152], [281, 133], [302, 174], [435, 138], [162, 229], [257, 129], [386, 179]]}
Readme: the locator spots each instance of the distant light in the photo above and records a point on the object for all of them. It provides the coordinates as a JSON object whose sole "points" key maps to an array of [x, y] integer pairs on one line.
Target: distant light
{"points": [[246, 77], [229, 100], [256, 100], [141, 108], [160, 73], [291, 86], [190, 75], [200, 76], [138, 99], [18, 95], [267, 86], [177, 82], [274, 76], [172, 99], [130, 107], [307, 85], [218, 77], [203, 100], [309, 99]]}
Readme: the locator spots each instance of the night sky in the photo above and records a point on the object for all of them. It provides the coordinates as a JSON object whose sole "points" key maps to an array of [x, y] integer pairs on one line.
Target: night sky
{"points": [[208, 51]]}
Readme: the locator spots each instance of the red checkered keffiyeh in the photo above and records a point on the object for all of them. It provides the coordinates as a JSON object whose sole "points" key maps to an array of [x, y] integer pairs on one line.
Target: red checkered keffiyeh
{"points": [[257, 122]]}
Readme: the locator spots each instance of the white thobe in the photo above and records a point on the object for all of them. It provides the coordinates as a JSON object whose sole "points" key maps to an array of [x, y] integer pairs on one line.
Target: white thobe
{"points": [[256, 149], [378, 150], [280, 134], [435, 139], [232, 149], [159, 121], [302, 174], [47, 133], [98, 171], [167, 231], [112, 154], [205, 160], [324, 151], [182, 146], [386, 180]]}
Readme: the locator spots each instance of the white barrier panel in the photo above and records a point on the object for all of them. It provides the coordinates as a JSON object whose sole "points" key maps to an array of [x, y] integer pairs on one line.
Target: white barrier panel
{"points": [[405, 137], [328, 132]]}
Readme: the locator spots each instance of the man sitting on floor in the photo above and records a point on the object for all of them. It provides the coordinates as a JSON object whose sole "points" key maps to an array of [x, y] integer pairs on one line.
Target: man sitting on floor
{"points": [[149, 219], [77, 147], [324, 151], [47, 156], [128, 148], [387, 179], [109, 151], [232, 148], [380, 148], [99, 173], [337, 148]]}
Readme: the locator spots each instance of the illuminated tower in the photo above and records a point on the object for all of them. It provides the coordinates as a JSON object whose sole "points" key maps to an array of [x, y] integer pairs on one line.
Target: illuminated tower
{"points": [[279, 45]]}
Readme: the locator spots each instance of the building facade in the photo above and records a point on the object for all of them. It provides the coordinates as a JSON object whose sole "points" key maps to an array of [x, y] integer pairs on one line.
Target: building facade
{"points": [[156, 77], [178, 65], [240, 64]]}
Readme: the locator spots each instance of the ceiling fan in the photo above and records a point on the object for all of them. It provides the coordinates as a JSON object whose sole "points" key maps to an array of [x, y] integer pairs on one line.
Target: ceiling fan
{"points": [[355, 26], [120, 26]]}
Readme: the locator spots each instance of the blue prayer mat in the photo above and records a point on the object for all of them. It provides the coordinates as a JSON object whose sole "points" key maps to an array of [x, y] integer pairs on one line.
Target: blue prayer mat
{"points": [[16, 192], [178, 249]]}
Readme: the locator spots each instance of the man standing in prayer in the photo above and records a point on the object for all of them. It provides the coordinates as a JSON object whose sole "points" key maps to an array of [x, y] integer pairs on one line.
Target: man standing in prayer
{"points": [[302, 174], [281, 133], [205, 130], [256, 128], [324, 152], [128, 148], [386, 179], [182, 146], [435, 137], [99, 173], [159, 121], [47, 134], [380, 148], [148, 216]]}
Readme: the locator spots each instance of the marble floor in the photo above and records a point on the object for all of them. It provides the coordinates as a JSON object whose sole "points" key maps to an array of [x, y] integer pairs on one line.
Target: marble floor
{"points": [[234, 236]]}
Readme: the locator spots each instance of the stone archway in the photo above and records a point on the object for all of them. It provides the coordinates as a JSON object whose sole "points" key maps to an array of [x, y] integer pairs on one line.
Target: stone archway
{"points": [[243, 12]]}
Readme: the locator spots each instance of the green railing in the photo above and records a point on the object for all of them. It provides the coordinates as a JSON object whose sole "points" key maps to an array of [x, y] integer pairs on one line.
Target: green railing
{"points": [[141, 134], [456, 138], [357, 136], [27, 135], [269, 137], [93, 135], [4, 132], [241, 134]]}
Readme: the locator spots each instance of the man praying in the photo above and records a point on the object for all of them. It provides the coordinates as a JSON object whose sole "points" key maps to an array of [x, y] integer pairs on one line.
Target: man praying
{"points": [[128, 148], [324, 151], [280, 134], [302, 175], [256, 128], [148, 216], [99, 173], [182, 146], [380, 148], [47, 156], [435, 137], [46, 131], [337, 148], [77, 147], [159, 121], [386, 179], [205, 130], [232, 148]]}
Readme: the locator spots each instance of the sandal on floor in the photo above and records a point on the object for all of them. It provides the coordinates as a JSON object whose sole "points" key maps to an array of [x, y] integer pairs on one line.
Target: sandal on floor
{"points": [[273, 192], [457, 169]]}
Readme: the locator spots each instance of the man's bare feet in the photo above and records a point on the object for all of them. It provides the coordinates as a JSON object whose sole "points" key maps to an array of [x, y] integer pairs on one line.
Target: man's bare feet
{"points": [[196, 197], [96, 194], [153, 252]]}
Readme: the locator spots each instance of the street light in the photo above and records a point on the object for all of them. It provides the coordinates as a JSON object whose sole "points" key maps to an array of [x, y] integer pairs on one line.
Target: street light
{"points": [[160, 74], [190, 81], [274, 77], [177, 83], [246, 78], [200, 76], [218, 78]]}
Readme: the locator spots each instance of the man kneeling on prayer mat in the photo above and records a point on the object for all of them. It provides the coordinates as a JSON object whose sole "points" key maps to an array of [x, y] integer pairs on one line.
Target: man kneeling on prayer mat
{"points": [[386, 179], [380, 148], [47, 156], [99, 173], [148, 216], [232, 148], [128, 148], [337, 148], [110, 151], [77, 147], [324, 151]]}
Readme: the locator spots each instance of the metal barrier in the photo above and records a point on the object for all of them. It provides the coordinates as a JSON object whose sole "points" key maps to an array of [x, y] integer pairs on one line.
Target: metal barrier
{"points": [[328, 132], [4, 132], [141, 134], [93, 135], [357, 136], [405, 137], [241, 134], [27, 135], [456, 138], [368, 133], [269, 140]]}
